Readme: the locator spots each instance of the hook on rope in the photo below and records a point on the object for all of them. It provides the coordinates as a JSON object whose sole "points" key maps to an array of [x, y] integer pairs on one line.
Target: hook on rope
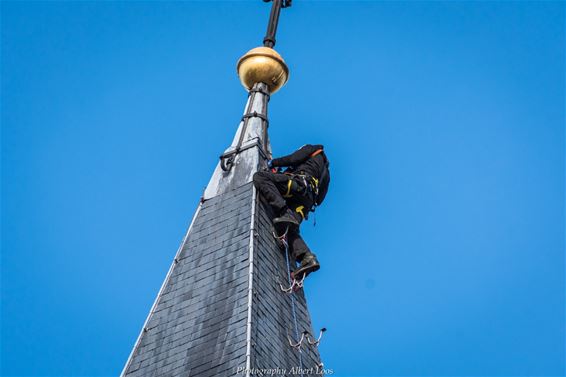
{"points": [[281, 239], [305, 335], [295, 285], [227, 160], [299, 343], [314, 342]]}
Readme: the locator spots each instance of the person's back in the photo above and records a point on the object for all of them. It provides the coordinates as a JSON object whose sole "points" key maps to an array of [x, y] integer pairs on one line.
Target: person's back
{"points": [[309, 160]]}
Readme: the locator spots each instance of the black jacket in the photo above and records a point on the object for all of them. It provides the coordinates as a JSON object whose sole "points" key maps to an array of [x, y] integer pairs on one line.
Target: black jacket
{"points": [[301, 161]]}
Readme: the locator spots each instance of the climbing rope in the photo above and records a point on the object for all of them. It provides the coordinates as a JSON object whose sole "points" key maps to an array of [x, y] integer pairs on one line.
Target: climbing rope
{"points": [[292, 285], [295, 285]]}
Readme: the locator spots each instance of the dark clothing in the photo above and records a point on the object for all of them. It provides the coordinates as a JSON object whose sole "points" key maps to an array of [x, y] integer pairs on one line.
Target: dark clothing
{"points": [[284, 191], [273, 186], [295, 189], [301, 162], [297, 245]]}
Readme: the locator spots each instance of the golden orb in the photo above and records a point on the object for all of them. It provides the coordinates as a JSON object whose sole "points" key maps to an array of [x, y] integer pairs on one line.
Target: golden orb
{"points": [[263, 64]]}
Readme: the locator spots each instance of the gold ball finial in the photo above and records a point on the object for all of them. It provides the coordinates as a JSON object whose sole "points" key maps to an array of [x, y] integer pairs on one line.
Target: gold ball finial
{"points": [[263, 64]]}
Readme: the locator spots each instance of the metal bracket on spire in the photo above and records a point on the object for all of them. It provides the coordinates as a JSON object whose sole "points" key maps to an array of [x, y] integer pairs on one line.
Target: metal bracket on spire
{"points": [[269, 40]]}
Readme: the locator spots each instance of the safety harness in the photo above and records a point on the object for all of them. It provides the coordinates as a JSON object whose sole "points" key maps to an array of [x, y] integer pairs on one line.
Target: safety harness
{"points": [[309, 182]]}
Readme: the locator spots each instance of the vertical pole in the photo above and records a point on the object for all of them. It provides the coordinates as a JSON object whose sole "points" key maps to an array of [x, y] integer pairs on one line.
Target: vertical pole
{"points": [[269, 40]]}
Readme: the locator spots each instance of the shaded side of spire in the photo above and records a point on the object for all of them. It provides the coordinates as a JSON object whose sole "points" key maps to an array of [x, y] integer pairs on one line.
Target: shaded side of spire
{"points": [[198, 323]]}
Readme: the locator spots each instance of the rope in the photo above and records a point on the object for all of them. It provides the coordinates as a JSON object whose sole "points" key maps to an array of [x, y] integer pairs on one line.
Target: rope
{"points": [[227, 159], [293, 311]]}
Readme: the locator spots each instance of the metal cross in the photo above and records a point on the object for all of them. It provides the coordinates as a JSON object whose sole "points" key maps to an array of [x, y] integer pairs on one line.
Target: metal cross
{"points": [[269, 40]]}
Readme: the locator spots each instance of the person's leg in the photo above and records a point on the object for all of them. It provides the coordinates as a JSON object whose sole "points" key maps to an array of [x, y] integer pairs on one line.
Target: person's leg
{"points": [[300, 252], [271, 186], [297, 245], [277, 189]]}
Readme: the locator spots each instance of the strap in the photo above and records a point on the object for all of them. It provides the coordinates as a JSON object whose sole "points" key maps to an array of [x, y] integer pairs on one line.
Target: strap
{"points": [[288, 193], [315, 181], [255, 114], [227, 159], [259, 90], [317, 152], [299, 209]]}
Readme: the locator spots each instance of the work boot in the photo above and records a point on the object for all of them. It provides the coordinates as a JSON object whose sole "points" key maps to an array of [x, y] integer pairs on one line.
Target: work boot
{"points": [[308, 264], [287, 218]]}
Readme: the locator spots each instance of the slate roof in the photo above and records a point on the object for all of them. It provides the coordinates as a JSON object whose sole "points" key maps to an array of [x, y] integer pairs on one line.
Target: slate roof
{"points": [[272, 318], [202, 323]]}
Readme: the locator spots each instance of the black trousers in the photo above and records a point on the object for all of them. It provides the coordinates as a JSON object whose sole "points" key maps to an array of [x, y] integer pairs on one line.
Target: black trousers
{"points": [[282, 191]]}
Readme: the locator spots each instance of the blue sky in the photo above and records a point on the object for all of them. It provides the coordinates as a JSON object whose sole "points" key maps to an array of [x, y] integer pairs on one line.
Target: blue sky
{"points": [[442, 236]]}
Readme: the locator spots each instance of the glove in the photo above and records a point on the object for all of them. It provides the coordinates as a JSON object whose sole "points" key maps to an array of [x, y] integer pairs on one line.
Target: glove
{"points": [[270, 164]]}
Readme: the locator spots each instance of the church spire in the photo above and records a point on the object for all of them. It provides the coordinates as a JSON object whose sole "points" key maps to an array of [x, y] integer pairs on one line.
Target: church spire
{"points": [[220, 310]]}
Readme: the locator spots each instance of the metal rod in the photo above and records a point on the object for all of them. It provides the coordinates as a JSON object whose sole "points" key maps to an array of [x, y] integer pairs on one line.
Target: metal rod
{"points": [[250, 284], [269, 40]]}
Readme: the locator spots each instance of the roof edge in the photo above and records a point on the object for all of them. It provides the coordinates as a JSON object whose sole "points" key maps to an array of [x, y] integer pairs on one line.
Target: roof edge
{"points": [[250, 282], [163, 285]]}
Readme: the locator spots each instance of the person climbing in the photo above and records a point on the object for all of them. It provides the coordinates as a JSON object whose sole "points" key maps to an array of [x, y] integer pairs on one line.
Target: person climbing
{"points": [[292, 194]]}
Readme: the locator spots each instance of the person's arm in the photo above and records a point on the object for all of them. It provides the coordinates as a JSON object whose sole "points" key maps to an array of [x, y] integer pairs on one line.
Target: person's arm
{"points": [[296, 157]]}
